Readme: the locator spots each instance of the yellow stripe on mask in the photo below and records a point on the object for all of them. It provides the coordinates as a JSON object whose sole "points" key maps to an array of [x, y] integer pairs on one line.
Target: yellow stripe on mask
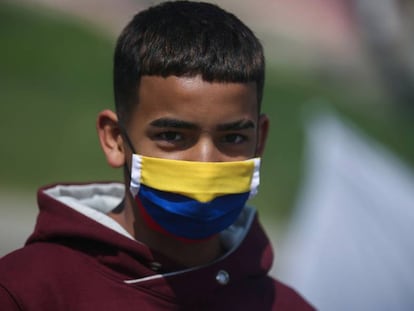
{"points": [[202, 181]]}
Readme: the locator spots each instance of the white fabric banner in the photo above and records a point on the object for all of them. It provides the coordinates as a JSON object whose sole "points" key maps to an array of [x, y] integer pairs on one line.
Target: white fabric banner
{"points": [[351, 242]]}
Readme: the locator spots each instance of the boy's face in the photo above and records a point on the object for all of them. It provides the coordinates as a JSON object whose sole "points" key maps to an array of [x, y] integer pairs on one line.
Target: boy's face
{"points": [[186, 118]]}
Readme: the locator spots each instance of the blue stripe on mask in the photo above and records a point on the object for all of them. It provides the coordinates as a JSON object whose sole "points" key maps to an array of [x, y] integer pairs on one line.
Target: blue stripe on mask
{"points": [[188, 218]]}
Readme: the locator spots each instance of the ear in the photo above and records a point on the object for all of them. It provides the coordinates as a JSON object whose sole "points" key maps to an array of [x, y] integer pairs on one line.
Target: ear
{"points": [[263, 129], [110, 138]]}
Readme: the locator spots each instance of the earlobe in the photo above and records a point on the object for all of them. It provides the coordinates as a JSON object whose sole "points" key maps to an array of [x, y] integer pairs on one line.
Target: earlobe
{"points": [[263, 129], [110, 138]]}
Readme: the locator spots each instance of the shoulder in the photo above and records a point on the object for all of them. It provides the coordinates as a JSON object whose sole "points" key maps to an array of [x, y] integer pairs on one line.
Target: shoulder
{"points": [[33, 259], [7, 301], [35, 269], [37, 262], [20, 271]]}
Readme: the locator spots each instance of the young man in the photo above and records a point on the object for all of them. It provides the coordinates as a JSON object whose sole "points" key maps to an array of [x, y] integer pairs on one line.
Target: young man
{"points": [[188, 82]]}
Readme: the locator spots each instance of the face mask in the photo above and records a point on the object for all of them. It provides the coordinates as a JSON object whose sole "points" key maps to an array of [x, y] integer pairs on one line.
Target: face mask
{"points": [[192, 200]]}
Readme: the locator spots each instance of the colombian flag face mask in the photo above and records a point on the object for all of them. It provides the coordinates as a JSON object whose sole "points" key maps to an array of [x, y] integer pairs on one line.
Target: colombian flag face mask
{"points": [[192, 200]]}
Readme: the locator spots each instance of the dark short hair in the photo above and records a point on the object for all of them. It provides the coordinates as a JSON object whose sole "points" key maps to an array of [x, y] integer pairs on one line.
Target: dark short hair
{"points": [[185, 38]]}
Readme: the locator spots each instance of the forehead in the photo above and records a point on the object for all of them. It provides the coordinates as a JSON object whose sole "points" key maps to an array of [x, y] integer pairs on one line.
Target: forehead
{"points": [[195, 100]]}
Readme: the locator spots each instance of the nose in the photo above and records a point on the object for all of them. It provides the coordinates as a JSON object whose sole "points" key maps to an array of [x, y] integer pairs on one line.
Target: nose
{"points": [[205, 150]]}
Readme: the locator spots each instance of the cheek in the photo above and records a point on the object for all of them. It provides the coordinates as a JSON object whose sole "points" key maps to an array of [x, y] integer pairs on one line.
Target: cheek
{"points": [[146, 147]]}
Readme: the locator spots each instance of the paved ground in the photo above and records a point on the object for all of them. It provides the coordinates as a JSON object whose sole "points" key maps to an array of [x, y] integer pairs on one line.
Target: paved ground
{"points": [[17, 218]]}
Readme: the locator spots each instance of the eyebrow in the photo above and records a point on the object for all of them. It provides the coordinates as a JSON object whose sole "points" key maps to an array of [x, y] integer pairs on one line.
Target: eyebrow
{"points": [[181, 124], [236, 126], [173, 123]]}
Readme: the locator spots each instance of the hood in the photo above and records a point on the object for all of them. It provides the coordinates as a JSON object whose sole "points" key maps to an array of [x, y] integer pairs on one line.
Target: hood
{"points": [[75, 216]]}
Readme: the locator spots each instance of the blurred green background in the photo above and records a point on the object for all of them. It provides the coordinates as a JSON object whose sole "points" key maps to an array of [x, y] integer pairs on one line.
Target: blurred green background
{"points": [[55, 76]]}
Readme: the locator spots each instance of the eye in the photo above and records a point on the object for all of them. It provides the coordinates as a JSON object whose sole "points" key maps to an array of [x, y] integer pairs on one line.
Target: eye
{"points": [[169, 136], [234, 138]]}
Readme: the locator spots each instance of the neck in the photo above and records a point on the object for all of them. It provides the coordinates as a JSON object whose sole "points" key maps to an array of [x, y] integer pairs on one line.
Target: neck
{"points": [[183, 253]]}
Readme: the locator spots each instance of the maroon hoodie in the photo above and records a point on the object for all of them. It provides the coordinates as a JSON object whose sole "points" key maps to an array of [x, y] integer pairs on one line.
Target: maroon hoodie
{"points": [[79, 259]]}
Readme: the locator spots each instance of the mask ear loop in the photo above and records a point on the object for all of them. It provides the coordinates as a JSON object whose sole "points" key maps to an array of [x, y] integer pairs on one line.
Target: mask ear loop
{"points": [[129, 143], [125, 136]]}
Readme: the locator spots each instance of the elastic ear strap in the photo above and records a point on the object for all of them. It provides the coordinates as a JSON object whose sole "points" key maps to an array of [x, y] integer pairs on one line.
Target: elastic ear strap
{"points": [[126, 137], [129, 143]]}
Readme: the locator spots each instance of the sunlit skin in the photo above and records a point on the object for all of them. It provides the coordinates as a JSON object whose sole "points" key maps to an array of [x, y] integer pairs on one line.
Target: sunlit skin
{"points": [[184, 118]]}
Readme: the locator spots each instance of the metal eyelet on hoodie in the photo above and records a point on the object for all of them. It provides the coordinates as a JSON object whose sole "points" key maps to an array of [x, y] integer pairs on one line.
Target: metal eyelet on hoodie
{"points": [[155, 266], [222, 277]]}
